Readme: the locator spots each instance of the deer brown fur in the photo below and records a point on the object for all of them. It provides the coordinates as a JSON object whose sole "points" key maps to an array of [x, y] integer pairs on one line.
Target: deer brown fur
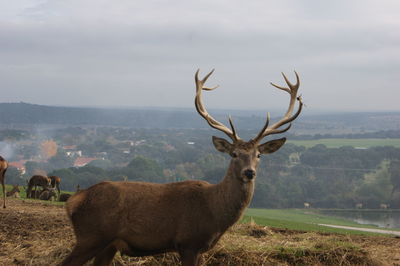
{"points": [[64, 197], [3, 170], [14, 192], [47, 194], [189, 217], [55, 183], [34, 182], [34, 194]]}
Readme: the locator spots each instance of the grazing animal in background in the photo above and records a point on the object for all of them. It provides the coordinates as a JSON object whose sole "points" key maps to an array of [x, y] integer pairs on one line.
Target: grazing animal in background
{"points": [[307, 205], [359, 206], [189, 217], [384, 206], [48, 194], [64, 197], [55, 183], [3, 170], [14, 192], [34, 194], [35, 181]]}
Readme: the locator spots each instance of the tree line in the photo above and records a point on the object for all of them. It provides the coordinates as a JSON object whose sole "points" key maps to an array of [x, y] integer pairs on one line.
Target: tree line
{"points": [[324, 177]]}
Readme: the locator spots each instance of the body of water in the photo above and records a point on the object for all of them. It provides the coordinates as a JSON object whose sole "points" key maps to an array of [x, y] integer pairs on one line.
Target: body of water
{"points": [[381, 218]]}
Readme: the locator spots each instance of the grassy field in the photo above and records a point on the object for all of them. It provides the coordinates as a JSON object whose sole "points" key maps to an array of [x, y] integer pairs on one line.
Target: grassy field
{"points": [[336, 143], [302, 220], [292, 219], [22, 195]]}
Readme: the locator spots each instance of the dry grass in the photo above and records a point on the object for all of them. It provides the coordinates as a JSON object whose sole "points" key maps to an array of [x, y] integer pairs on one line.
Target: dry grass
{"points": [[34, 233]]}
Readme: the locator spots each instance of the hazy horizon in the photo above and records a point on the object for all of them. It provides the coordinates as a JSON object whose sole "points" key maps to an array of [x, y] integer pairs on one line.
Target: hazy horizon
{"points": [[250, 111], [143, 54]]}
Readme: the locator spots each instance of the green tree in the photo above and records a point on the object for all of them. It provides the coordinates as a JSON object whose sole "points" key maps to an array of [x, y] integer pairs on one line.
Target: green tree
{"points": [[376, 187], [103, 164], [394, 171], [14, 177], [144, 169], [60, 160]]}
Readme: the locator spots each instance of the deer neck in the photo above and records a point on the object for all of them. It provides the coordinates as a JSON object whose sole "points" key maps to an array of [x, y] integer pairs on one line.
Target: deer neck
{"points": [[233, 196]]}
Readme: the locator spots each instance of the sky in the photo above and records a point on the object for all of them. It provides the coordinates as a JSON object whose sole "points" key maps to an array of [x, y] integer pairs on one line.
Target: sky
{"points": [[144, 53]]}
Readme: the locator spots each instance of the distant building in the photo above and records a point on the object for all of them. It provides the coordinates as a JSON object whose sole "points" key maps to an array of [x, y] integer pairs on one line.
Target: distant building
{"points": [[82, 161], [69, 147], [73, 153], [20, 165], [169, 147]]}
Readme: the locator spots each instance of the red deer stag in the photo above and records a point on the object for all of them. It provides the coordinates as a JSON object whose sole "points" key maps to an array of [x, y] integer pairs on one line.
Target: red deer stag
{"points": [[3, 169], [14, 192], [189, 217], [35, 181], [55, 183]]}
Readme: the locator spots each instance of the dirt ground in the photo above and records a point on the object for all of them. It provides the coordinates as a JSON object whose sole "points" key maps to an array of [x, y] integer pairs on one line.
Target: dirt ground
{"points": [[37, 233]]}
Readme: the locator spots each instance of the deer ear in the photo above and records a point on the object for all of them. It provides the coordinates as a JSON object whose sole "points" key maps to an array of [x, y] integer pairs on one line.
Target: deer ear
{"points": [[221, 145], [271, 146]]}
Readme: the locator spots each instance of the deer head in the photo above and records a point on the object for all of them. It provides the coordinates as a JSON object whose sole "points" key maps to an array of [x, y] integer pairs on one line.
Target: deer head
{"points": [[246, 154]]}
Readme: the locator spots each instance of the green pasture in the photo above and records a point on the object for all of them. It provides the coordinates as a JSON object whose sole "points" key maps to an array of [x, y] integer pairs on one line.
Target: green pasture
{"points": [[356, 143], [293, 219], [22, 195], [302, 220]]}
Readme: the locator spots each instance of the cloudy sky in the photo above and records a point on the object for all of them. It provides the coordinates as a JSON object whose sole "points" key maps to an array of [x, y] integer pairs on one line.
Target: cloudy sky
{"points": [[145, 53]]}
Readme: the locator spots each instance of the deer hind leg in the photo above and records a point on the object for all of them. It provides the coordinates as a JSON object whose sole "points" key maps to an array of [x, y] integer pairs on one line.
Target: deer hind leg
{"points": [[2, 176], [105, 257], [4, 193], [82, 253], [190, 257]]}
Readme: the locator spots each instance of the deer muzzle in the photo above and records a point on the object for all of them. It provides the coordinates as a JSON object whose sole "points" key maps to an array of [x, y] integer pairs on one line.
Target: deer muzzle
{"points": [[249, 173]]}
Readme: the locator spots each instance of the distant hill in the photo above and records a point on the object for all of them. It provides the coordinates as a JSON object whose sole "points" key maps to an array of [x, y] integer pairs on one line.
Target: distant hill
{"points": [[14, 114]]}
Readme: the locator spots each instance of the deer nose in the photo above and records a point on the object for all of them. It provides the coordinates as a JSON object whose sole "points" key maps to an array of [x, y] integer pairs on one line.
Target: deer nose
{"points": [[249, 173]]}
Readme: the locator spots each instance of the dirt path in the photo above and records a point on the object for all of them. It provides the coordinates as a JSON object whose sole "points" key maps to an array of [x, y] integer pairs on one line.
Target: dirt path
{"points": [[372, 230]]}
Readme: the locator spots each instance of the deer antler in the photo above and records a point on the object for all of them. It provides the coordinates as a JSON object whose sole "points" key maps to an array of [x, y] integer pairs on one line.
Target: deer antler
{"points": [[274, 129], [203, 112]]}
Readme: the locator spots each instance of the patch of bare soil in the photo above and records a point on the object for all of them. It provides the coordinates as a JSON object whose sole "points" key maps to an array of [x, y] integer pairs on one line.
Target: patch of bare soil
{"points": [[37, 233]]}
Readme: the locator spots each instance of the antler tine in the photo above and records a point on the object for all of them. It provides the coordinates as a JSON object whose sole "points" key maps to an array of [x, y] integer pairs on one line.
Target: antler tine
{"points": [[233, 128], [288, 117], [204, 80], [203, 112], [259, 136]]}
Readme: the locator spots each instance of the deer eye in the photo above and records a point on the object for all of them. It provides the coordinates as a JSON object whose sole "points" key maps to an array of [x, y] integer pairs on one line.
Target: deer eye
{"points": [[259, 155], [234, 154]]}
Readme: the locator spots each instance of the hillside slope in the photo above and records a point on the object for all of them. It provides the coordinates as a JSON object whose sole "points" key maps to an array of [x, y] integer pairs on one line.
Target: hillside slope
{"points": [[36, 233]]}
